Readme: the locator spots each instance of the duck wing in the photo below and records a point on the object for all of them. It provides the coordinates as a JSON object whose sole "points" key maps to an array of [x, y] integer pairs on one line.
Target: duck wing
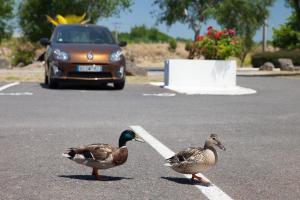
{"points": [[184, 155], [93, 151]]}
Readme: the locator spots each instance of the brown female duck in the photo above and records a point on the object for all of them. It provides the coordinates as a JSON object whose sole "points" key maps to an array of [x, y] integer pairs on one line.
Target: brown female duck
{"points": [[196, 159]]}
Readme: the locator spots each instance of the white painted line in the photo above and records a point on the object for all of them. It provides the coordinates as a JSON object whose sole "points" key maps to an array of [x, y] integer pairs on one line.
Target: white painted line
{"points": [[212, 192], [16, 94], [160, 84], [8, 85], [161, 94]]}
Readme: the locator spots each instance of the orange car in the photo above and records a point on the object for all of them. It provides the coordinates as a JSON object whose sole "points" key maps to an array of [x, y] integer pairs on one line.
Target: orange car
{"points": [[83, 53]]}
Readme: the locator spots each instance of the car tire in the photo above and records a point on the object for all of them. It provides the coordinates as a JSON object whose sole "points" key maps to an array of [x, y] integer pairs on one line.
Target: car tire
{"points": [[46, 79], [119, 85], [52, 83]]}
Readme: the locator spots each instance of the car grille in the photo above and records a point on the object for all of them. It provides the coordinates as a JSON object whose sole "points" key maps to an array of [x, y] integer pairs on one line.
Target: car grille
{"points": [[90, 74]]}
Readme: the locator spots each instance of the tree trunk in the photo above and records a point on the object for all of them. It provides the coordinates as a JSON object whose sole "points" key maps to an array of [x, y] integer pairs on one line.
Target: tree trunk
{"points": [[243, 57], [192, 49], [196, 33]]}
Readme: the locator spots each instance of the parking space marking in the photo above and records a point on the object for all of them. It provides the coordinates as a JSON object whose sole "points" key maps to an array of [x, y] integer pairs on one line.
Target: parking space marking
{"points": [[16, 94], [13, 93], [161, 94], [212, 192], [8, 85]]}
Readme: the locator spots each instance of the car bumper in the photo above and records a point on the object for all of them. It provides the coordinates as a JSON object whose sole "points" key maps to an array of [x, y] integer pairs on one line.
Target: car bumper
{"points": [[68, 71], [86, 79]]}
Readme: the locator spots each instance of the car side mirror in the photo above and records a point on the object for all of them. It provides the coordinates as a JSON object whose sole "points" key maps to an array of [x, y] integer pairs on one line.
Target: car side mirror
{"points": [[45, 41], [122, 44]]}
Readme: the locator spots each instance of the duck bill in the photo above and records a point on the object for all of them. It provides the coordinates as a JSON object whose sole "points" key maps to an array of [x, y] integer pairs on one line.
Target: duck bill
{"points": [[221, 146], [138, 138]]}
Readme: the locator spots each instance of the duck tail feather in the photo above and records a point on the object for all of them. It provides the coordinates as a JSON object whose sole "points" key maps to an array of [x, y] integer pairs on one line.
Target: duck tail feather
{"points": [[167, 165], [171, 160], [70, 153]]}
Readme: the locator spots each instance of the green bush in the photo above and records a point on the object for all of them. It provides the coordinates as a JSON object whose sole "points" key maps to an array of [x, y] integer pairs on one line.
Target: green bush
{"points": [[123, 36], [260, 58], [22, 56], [287, 36], [22, 51], [188, 46], [144, 34], [172, 45]]}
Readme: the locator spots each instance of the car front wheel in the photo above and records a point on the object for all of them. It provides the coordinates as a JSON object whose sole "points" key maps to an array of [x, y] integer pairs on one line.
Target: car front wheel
{"points": [[119, 85], [46, 79], [52, 83]]}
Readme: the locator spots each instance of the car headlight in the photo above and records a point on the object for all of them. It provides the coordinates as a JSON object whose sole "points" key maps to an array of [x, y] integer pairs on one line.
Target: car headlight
{"points": [[116, 56], [60, 55]]}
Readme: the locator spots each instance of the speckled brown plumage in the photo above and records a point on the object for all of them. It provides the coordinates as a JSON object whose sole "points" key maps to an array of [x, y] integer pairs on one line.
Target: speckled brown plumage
{"points": [[194, 160], [102, 156]]}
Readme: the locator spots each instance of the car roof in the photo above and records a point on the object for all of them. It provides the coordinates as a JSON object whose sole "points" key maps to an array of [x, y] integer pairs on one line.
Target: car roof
{"points": [[80, 25]]}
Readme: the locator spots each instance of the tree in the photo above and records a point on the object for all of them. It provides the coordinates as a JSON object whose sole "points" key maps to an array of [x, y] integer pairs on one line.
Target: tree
{"points": [[6, 13], [144, 34], [32, 13], [295, 5], [287, 36], [245, 16], [192, 12]]}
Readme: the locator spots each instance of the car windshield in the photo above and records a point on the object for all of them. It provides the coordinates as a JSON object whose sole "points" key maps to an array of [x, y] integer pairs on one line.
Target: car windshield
{"points": [[83, 34]]}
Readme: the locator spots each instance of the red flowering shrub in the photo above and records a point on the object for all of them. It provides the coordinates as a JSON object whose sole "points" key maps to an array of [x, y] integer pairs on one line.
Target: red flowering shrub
{"points": [[215, 44], [199, 38]]}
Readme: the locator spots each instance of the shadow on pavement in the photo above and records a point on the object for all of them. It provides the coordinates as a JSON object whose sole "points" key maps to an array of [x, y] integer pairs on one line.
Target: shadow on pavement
{"points": [[185, 181], [80, 86], [92, 178]]}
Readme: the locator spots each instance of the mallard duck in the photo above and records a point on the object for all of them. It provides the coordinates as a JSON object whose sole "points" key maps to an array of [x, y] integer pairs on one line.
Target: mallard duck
{"points": [[103, 156], [196, 159]]}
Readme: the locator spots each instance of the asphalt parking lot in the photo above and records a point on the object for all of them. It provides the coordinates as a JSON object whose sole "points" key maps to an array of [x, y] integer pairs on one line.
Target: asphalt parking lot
{"points": [[260, 133]]}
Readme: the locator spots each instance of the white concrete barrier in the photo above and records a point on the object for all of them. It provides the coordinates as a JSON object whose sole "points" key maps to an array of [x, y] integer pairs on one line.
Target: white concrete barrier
{"points": [[203, 77], [200, 73]]}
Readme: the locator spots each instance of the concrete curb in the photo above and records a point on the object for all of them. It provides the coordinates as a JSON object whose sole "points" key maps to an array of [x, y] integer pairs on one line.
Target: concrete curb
{"points": [[264, 73], [250, 72]]}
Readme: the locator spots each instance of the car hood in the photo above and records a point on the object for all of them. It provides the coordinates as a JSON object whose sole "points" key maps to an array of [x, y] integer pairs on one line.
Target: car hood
{"points": [[78, 52]]}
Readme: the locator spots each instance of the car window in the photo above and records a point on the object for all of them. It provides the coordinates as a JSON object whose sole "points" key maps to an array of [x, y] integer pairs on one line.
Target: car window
{"points": [[84, 34]]}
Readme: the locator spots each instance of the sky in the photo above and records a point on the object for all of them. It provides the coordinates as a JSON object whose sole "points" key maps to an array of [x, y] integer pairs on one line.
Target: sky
{"points": [[141, 14]]}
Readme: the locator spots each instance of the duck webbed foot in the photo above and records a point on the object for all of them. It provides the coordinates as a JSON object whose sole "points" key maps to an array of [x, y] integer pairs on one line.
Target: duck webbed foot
{"points": [[202, 181]]}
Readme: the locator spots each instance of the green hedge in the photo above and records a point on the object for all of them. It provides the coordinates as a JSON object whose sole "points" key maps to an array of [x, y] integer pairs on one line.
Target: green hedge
{"points": [[260, 58], [22, 56], [143, 34], [172, 45]]}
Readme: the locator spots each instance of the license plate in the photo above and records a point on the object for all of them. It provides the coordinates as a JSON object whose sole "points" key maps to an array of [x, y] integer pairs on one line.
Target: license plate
{"points": [[89, 68]]}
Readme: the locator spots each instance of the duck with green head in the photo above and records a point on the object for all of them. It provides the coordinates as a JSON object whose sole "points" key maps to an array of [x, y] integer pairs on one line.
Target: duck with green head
{"points": [[103, 156]]}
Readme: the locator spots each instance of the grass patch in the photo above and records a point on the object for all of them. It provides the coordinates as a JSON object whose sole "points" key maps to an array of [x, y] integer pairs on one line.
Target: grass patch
{"points": [[38, 76], [13, 78], [143, 79], [248, 60], [21, 75]]}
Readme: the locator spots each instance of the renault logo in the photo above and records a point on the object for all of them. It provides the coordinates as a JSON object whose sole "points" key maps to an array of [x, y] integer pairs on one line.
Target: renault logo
{"points": [[90, 56]]}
